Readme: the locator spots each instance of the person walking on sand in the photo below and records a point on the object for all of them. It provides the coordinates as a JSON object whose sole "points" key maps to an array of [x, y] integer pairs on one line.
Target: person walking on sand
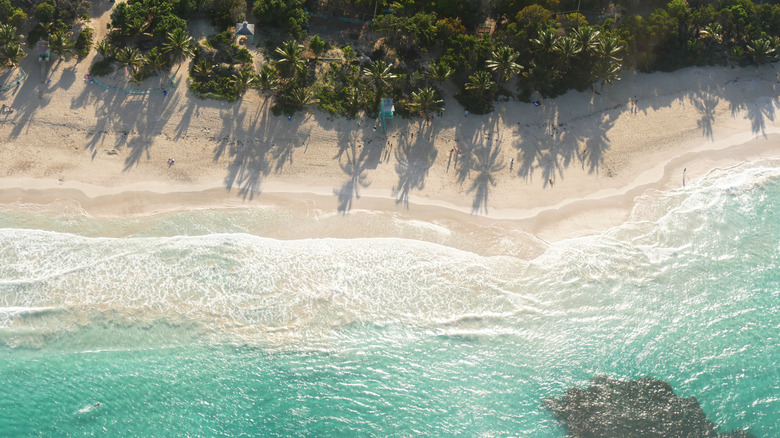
{"points": [[552, 183]]}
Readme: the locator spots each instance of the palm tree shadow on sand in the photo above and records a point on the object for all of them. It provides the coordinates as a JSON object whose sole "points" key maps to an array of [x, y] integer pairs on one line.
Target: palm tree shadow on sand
{"points": [[413, 161], [354, 164], [487, 162], [705, 103]]}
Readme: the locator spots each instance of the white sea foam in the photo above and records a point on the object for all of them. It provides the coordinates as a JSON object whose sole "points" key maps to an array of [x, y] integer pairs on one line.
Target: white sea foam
{"points": [[276, 291]]}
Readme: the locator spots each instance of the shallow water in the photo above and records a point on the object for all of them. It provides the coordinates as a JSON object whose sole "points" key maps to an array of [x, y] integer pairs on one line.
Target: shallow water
{"points": [[192, 324]]}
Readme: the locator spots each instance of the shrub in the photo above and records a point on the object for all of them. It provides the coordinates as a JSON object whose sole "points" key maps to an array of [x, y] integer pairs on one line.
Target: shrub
{"points": [[288, 13], [242, 55], [317, 45], [145, 20], [341, 91], [214, 65], [84, 42], [10, 14], [102, 68], [44, 12], [226, 13]]}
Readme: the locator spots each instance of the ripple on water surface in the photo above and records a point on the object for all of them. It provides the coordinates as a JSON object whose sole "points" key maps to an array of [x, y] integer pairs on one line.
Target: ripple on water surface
{"points": [[227, 332]]}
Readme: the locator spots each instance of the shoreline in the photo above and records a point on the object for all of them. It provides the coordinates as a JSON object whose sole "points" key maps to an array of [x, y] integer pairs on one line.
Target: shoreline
{"points": [[573, 217]]}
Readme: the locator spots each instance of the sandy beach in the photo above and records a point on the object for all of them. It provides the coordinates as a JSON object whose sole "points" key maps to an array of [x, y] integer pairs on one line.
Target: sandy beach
{"points": [[569, 167]]}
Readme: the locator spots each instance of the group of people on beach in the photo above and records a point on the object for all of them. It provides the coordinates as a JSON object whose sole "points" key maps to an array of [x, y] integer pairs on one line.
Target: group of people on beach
{"points": [[170, 162], [7, 109]]}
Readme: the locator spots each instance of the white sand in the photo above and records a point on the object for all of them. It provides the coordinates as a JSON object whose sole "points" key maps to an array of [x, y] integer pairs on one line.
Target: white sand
{"points": [[108, 151]]}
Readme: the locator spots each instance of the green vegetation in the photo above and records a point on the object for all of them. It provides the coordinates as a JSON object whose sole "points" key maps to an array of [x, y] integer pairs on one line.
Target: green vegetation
{"points": [[287, 13], [10, 50], [61, 44], [10, 14], [412, 50], [84, 42], [220, 69]]}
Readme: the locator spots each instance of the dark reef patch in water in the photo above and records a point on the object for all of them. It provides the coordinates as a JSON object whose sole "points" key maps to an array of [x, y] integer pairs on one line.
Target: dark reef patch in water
{"points": [[632, 408]]}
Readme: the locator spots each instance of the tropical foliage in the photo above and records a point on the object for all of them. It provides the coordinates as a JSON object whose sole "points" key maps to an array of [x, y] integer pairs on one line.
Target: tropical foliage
{"points": [[424, 102], [178, 45], [414, 48], [11, 51], [83, 42], [220, 69], [288, 13]]}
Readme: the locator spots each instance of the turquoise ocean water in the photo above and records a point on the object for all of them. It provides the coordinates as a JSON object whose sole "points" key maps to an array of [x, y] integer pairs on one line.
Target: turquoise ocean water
{"points": [[190, 324]]}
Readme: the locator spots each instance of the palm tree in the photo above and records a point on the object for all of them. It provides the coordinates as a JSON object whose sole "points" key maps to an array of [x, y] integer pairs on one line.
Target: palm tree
{"points": [[8, 35], [566, 47], [424, 102], [242, 80], [606, 72], [546, 40], [179, 45], [502, 62], [440, 71], [138, 26], [60, 44], [267, 78], [587, 38], [203, 69], [104, 49], [608, 48], [480, 84], [155, 60], [774, 42], [712, 32], [290, 58], [301, 97], [761, 50], [379, 75], [130, 57], [11, 54]]}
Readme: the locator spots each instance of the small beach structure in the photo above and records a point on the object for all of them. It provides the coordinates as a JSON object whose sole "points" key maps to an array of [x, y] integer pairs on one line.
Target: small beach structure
{"points": [[386, 111], [245, 32], [43, 57]]}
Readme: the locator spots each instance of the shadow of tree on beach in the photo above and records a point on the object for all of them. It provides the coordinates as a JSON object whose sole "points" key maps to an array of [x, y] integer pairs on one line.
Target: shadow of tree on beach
{"points": [[487, 162], [247, 151], [27, 98], [413, 161], [257, 146], [706, 104], [247, 168], [354, 164], [596, 142], [757, 111], [134, 121], [282, 151]]}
